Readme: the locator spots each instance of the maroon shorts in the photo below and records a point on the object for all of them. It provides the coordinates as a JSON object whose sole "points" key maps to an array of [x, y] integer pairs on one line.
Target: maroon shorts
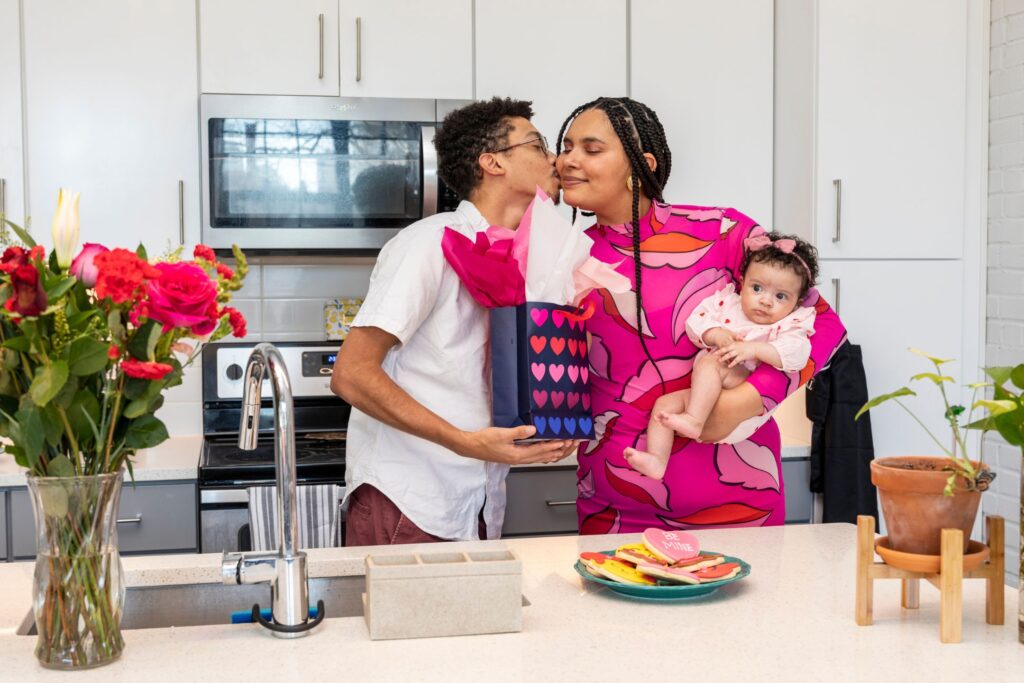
{"points": [[374, 520]]}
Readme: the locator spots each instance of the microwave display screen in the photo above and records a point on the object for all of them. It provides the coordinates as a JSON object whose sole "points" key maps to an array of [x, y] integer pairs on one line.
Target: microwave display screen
{"points": [[307, 173]]}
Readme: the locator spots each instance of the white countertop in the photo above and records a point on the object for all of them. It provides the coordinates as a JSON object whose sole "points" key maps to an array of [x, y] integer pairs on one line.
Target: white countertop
{"points": [[791, 619], [174, 459]]}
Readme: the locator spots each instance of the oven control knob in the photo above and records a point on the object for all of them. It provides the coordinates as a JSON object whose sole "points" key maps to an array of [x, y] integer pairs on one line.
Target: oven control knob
{"points": [[234, 371]]}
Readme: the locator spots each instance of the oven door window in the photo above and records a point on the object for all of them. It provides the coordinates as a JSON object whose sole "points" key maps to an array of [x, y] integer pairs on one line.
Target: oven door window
{"points": [[302, 173]]}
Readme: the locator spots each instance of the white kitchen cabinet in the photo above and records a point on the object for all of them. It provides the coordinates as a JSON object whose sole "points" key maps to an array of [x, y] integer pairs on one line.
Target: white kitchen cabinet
{"points": [[111, 112], [557, 69], [888, 306], [409, 48], [891, 106], [269, 47], [11, 159], [706, 68]]}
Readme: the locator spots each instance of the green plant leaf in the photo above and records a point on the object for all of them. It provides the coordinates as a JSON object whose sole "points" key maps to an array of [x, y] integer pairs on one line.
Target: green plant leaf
{"points": [[1000, 374], [22, 234], [60, 467], [145, 432], [83, 414], [140, 251], [22, 344], [995, 408], [53, 426], [48, 381], [934, 359], [878, 400], [78, 320], [142, 345], [60, 289], [28, 434], [66, 394], [115, 325], [1017, 376], [979, 385], [935, 379], [136, 408], [87, 356]]}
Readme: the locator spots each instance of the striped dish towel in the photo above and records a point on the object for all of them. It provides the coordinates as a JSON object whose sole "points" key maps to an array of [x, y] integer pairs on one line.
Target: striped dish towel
{"points": [[318, 516]]}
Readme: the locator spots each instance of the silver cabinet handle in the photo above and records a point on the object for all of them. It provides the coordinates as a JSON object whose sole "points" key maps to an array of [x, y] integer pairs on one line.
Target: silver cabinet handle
{"points": [[835, 293], [181, 212], [429, 171], [838, 185], [320, 19], [559, 503], [359, 49], [137, 519]]}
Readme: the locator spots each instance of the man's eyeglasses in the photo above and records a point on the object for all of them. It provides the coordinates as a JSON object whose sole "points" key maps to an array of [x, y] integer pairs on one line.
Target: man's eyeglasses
{"points": [[543, 146]]}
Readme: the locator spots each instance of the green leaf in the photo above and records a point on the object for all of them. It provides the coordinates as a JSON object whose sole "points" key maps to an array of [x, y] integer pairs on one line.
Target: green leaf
{"points": [[995, 407], [28, 435], [48, 381], [142, 345], [1017, 376], [66, 394], [937, 361], [145, 432], [115, 325], [61, 288], [1000, 374], [79, 319], [83, 414], [936, 379], [979, 385], [135, 387], [60, 467], [878, 400], [19, 456], [88, 356], [136, 408], [140, 251], [21, 343], [22, 234], [53, 426]]}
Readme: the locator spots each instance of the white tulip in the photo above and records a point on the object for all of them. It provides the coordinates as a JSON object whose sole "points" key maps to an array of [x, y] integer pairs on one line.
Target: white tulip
{"points": [[65, 227]]}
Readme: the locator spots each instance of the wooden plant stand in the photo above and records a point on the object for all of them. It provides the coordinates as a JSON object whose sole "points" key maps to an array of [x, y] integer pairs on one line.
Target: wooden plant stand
{"points": [[949, 579]]}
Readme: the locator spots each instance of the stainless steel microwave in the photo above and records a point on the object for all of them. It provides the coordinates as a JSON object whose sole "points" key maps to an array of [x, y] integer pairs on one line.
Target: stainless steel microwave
{"points": [[294, 174]]}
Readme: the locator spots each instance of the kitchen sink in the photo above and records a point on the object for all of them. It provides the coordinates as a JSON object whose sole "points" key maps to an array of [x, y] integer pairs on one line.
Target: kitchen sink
{"points": [[198, 604]]}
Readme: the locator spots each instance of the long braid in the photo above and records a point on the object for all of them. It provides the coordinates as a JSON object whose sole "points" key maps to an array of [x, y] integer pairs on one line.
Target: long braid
{"points": [[640, 131]]}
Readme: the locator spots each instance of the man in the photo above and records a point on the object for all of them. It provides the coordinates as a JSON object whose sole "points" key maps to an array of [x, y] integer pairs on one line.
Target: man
{"points": [[422, 462]]}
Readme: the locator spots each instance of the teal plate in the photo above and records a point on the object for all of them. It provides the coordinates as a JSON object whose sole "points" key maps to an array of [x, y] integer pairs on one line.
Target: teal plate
{"points": [[664, 590]]}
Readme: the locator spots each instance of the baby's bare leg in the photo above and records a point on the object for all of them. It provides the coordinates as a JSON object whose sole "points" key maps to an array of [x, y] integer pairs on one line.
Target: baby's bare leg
{"points": [[735, 377], [654, 461], [708, 377]]}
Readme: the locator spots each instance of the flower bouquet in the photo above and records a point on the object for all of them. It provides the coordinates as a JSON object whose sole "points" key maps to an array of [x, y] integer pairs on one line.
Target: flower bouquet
{"points": [[88, 345]]}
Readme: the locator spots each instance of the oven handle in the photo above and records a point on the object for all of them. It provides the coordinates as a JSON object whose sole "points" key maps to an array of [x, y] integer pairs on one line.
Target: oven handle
{"points": [[223, 496], [429, 171]]}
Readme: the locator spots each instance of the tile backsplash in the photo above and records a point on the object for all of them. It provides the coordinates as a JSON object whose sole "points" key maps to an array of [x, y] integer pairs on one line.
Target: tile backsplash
{"points": [[282, 300]]}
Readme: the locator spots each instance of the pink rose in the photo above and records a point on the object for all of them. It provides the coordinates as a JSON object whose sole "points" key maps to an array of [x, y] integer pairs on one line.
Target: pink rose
{"points": [[183, 296], [84, 267]]}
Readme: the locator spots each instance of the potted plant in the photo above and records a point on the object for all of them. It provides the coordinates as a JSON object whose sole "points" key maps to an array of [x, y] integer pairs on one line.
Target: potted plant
{"points": [[88, 345], [921, 495], [1006, 416]]}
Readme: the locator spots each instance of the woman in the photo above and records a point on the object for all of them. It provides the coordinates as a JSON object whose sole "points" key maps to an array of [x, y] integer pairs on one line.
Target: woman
{"points": [[614, 160]]}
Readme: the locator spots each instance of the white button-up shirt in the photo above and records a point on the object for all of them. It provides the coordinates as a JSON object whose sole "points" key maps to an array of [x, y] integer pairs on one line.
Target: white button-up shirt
{"points": [[442, 361]]}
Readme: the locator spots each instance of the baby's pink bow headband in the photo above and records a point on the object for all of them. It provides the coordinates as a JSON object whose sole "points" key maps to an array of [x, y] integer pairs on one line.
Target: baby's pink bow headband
{"points": [[786, 246]]}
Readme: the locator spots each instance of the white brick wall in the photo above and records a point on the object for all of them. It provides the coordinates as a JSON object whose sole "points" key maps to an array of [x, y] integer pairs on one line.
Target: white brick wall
{"points": [[1005, 299]]}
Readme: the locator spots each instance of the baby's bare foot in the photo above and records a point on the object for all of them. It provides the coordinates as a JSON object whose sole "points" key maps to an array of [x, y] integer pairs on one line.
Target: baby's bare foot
{"points": [[682, 424], [649, 464]]}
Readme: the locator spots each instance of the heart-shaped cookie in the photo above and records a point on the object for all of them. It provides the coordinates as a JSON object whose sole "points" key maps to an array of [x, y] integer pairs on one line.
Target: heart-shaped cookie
{"points": [[671, 546], [616, 570]]}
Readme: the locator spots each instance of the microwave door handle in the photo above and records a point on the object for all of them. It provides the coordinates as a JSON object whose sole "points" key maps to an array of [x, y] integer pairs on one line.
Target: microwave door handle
{"points": [[429, 171]]}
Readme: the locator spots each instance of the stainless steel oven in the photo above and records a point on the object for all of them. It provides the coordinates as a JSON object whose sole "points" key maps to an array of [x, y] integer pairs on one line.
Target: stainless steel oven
{"points": [[290, 174]]}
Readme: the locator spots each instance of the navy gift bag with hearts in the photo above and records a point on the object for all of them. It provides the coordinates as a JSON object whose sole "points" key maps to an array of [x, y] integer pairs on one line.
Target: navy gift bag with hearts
{"points": [[539, 370]]}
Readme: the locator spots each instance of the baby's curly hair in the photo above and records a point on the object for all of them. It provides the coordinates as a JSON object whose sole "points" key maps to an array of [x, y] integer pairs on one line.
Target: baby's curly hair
{"points": [[468, 132], [776, 257]]}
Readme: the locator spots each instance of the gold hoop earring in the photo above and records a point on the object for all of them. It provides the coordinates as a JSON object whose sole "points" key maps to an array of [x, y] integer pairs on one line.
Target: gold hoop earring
{"points": [[629, 183]]}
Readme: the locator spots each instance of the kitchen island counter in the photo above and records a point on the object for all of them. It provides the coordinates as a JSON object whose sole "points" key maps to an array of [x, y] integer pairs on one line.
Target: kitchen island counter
{"points": [[791, 619]]}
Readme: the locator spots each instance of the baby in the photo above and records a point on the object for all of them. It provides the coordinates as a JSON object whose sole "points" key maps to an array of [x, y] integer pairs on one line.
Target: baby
{"points": [[760, 324]]}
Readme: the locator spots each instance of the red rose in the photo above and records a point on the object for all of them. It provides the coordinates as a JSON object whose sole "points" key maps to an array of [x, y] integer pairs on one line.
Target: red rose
{"points": [[145, 369], [13, 258], [28, 297], [204, 253], [121, 274], [84, 265], [237, 321], [38, 252], [183, 296]]}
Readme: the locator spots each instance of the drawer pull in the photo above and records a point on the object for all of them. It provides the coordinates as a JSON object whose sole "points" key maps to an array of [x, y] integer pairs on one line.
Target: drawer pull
{"points": [[137, 519], [559, 503]]}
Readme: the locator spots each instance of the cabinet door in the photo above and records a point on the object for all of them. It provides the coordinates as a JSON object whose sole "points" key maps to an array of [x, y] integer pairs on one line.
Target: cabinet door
{"points": [[888, 306], [407, 48], [3, 525], [157, 518], [11, 160], [557, 78], [706, 68], [269, 47], [891, 127], [799, 500], [23, 525], [119, 123]]}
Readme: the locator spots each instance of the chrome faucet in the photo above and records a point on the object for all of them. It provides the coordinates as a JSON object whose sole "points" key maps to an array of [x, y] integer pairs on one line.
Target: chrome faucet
{"points": [[285, 568]]}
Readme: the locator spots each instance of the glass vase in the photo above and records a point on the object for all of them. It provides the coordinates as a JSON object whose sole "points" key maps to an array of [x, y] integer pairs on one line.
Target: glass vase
{"points": [[78, 587]]}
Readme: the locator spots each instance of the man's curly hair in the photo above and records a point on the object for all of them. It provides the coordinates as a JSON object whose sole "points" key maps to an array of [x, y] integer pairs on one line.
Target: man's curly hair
{"points": [[467, 133]]}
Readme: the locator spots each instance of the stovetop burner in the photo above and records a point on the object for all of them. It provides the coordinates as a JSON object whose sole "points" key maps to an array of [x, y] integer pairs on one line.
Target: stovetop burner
{"points": [[318, 457]]}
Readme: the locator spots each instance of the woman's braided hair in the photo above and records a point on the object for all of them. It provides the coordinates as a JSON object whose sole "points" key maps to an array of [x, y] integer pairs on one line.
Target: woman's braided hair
{"points": [[639, 130]]}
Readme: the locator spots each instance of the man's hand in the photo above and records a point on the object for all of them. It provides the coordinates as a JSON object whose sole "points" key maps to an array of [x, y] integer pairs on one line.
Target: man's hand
{"points": [[496, 444], [718, 337]]}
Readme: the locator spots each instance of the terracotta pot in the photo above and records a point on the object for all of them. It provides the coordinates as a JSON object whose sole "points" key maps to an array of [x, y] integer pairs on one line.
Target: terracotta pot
{"points": [[910, 489]]}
